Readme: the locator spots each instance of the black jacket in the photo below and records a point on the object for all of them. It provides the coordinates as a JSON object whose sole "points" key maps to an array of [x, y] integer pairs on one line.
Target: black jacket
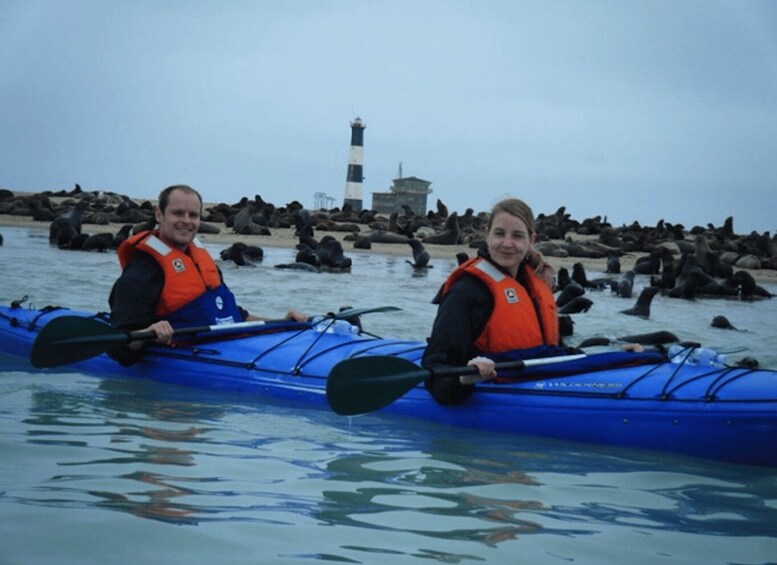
{"points": [[461, 318]]}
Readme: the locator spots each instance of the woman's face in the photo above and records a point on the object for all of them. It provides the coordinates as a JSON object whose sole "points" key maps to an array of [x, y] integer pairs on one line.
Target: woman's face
{"points": [[508, 241]]}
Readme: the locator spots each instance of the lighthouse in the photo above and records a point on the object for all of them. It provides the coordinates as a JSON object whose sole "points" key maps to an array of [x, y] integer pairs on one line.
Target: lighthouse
{"points": [[353, 181]]}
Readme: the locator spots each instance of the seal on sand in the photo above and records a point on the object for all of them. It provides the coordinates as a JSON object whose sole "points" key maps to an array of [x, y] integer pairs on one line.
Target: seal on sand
{"points": [[243, 222], [449, 234], [362, 243], [379, 236]]}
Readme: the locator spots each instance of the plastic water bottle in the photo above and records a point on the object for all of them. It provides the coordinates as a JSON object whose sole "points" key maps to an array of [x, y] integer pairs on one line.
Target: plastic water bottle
{"points": [[341, 327], [678, 353], [319, 323], [696, 356], [707, 357], [330, 326]]}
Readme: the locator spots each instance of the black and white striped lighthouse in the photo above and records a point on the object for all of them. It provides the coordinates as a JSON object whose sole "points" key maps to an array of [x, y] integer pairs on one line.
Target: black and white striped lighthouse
{"points": [[353, 181]]}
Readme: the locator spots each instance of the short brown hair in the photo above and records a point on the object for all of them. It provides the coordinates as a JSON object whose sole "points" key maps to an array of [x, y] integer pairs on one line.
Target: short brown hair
{"points": [[164, 196]]}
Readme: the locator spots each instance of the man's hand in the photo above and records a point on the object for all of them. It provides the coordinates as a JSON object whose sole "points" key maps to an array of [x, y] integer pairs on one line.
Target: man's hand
{"points": [[163, 330]]}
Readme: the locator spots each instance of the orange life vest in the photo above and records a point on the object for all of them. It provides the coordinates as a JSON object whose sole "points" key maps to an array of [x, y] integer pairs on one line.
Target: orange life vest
{"points": [[187, 275], [524, 315]]}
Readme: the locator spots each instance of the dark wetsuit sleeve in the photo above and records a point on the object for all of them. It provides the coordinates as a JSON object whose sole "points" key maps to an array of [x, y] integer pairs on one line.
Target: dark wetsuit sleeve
{"points": [[461, 317], [133, 301], [135, 293]]}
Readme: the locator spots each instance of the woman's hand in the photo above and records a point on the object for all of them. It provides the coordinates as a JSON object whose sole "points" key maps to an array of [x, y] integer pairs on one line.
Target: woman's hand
{"points": [[486, 371], [290, 315], [296, 316]]}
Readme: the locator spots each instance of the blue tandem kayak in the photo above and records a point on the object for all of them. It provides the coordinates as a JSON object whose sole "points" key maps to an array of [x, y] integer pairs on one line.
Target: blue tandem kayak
{"points": [[614, 398]]}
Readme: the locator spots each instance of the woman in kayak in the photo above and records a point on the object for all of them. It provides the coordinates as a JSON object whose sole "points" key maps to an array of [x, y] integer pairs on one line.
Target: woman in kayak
{"points": [[498, 302], [169, 279]]}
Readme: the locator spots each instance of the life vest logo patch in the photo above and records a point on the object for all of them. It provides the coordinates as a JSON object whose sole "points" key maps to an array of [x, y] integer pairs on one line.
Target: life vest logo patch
{"points": [[511, 295], [178, 266], [219, 303]]}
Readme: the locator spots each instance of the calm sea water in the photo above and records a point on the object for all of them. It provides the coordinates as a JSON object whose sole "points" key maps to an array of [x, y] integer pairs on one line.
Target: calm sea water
{"points": [[110, 471]]}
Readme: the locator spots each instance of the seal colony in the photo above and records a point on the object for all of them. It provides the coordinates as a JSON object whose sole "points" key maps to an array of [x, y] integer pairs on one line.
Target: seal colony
{"points": [[718, 251], [700, 262], [559, 235]]}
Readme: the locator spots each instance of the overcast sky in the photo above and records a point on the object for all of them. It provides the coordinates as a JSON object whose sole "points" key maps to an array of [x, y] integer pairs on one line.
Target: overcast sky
{"points": [[631, 110]]}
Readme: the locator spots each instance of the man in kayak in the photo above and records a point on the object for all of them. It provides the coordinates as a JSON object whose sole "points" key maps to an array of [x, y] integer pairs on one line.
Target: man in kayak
{"points": [[493, 305], [169, 279]]}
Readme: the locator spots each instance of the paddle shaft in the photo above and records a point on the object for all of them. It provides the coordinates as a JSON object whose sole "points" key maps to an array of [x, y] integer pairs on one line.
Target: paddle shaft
{"points": [[148, 335], [144, 335], [363, 384], [423, 374], [415, 377], [67, 339]]}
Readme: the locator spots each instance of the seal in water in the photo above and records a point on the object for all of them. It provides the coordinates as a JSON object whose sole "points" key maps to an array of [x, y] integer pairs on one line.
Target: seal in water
{"points": [[420, 254], [642, 307], [576, 305], [722, 323]]}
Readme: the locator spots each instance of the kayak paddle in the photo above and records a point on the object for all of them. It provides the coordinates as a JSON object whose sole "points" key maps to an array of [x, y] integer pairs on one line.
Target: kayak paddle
{"points": [[363, 384], [351, 312], [68, 339]]}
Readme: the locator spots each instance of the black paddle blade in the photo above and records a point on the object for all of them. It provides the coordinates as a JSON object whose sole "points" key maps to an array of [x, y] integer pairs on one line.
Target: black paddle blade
{"points": [[364, 384], [68, 339]]}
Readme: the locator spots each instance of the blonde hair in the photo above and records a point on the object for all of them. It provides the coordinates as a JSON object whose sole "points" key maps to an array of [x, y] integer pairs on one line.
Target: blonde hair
{"points": [[514, 207]]}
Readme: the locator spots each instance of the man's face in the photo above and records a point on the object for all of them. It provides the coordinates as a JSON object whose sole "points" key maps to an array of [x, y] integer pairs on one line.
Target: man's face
{"points": [[179, 223]]}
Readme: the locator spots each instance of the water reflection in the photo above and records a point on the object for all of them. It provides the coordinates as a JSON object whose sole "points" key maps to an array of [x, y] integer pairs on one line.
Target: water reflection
{"points": [[499, 494], [376, 485], [123, 424], [157, 503]]}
